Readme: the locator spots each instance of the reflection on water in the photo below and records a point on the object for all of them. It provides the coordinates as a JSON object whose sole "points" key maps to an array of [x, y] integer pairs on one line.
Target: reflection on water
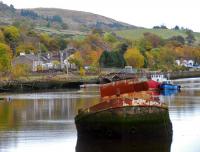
{"points": [[191, 83], [41, 121], [169, 92], [140, 145], [45, 122]]}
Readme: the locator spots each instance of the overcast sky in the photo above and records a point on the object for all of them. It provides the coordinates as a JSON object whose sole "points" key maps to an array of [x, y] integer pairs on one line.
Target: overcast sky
{"points": [[145, 13]]}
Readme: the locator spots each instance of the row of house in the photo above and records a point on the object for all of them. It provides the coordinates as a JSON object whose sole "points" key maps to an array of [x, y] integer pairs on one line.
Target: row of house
{"points": [[187, 63], [46, 61]]}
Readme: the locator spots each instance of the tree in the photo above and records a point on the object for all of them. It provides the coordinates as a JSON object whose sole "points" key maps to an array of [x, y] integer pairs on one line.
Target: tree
{"points": [[77, 59], [109, 37], [196, 54], [29, 13], [43, 48], [134, 58], [163, 27], [11, 35], [65, 26], [62, 43], [111, 59], [1, 36], [167, 58], [45, 39], [57, 18], [122, 48], [190, 38], [153, 59], [105, 59], [145, 45], [149, 42], [48, 25], [153, 39], [176, 27], [54, 45], [5, 58], [19, 70], [25, 47], [179, 39]]}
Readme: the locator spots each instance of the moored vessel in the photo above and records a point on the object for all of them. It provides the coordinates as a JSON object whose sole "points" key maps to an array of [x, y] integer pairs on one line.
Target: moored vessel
{"points": [[127, 109]]}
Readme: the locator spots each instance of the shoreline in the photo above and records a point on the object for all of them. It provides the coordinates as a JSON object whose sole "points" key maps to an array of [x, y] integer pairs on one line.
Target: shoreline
{"points": [[71, 83], [183, 74], [36, 85]]}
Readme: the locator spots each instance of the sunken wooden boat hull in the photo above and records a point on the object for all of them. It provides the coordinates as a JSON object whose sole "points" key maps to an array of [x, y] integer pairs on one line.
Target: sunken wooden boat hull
{"points": [[127, 109], [124, 118], [123, 145]]}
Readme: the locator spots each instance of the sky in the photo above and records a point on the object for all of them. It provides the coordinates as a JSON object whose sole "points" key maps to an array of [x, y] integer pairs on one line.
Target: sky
{"points": [[144, 13]]}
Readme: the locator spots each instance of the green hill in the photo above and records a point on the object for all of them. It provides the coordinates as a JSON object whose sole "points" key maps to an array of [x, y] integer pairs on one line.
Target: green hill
{"points": [[137, 33], [77, 23]]}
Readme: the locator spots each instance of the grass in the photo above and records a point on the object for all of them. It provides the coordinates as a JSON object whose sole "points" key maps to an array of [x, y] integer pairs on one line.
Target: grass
{"points": [[59, 32], [137, 33]]}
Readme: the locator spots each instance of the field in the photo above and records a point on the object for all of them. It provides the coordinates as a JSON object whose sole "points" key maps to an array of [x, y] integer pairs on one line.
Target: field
{"points": [[137, 33]]}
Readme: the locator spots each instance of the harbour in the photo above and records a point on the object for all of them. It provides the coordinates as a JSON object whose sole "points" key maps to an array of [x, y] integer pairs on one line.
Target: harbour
{"points": [[39, 121]]}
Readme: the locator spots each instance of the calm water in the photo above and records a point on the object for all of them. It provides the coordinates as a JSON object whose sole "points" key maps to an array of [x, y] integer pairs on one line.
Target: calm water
{"points": [[38, 122]]}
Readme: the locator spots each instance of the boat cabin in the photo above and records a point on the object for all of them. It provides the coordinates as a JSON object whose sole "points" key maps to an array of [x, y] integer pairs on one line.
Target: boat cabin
{"points": [[158, 77]]}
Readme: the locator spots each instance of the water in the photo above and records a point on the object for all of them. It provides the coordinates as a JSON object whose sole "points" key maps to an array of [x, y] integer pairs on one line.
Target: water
{"points": [[31, 122]]}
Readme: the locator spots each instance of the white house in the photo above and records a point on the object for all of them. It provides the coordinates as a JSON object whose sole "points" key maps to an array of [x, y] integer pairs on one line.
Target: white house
{"points": [[185, 63]]}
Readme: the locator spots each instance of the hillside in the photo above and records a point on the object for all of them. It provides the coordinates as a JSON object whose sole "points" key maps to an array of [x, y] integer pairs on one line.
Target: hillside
{"points": [[73, 20], [70, 23], [77, 20], [135, 34], [7, 14]]}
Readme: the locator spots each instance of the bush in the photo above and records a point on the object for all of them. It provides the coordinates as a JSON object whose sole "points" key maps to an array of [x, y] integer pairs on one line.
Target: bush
{"points": [[82, 72]]}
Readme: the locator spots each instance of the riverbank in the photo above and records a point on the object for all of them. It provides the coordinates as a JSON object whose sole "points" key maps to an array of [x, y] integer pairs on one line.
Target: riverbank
{"points": [[183, 74], [46, 83], [64, 81]]}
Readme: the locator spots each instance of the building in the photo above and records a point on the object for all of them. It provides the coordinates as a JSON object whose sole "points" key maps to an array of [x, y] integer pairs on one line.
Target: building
{"points": [[30, 60], [186, 63]]}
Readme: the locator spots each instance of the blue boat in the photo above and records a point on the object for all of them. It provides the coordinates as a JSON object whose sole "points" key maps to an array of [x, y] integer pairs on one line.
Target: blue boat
{"points": [[169, 86]]}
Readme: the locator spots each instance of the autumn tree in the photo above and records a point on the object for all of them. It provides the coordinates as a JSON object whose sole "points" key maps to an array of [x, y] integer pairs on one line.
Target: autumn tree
{"points": [[12, 35], [19, 70], [5, 58], [54, 45], [153, 39], [25, 47], [152, 59], [196, 54], [134, 58], [109, 37], [1, 37], [90, 57], [167, 59], [76, 59], [43, 48], [45, 39]]}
